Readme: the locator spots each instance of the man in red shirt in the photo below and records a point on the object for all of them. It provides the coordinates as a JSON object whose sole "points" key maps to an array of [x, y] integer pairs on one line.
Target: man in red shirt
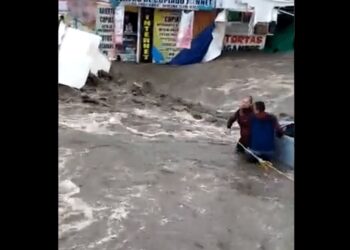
{"points": [[242, 116]]}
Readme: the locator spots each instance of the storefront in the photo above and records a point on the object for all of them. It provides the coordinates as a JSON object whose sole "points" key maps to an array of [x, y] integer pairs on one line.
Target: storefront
{"points": [[144, 31], [126, 48], [168, 31], [159, 26]]}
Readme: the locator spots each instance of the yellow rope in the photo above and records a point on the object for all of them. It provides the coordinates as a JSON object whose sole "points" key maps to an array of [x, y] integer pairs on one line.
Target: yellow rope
{"points": [[265, 164]]}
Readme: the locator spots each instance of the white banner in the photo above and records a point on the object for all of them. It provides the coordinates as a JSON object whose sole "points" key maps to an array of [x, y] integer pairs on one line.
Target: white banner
{"points": [[216, 45], [119, 24], [185, 33]]}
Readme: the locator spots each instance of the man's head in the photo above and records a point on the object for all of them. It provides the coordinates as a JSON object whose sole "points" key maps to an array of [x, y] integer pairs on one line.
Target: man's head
{"points": [[246, 102], [250, 100], [259, 107]]}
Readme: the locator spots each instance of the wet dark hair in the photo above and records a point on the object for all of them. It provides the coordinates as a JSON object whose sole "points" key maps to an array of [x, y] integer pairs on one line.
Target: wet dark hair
{"points": [[260, 106], [250, 99]]}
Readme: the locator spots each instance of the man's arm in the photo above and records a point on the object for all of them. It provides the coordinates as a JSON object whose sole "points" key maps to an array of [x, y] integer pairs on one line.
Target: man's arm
{"points": [[232, 119]]}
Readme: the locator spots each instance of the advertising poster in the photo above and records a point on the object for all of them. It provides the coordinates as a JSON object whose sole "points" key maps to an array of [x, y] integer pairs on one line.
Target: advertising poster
{"points": [[146, 35], [105, 29], [165, 29]]}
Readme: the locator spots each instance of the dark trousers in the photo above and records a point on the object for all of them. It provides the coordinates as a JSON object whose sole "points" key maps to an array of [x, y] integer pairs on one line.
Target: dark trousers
{"points": [[239, 148], [249, 157], [265, 157]]}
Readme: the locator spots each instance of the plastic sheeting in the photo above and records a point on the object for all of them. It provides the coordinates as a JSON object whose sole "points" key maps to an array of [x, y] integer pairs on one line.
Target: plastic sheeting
{"points": [[199, 48], [61, 31], [99, 60], [78, 55], [185, 33], [216, 45]]}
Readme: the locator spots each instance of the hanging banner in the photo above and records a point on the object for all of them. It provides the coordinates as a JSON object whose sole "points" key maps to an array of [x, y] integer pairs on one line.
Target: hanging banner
{"points": [[146, 35], [166, 26], [184, 36], [83, 14], [173, 4], [243, 42], [105, 29], [119, 24]]}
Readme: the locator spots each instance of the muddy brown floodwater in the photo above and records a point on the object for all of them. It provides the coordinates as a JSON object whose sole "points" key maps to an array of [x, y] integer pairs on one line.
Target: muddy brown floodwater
{"points": [[146, 164]]}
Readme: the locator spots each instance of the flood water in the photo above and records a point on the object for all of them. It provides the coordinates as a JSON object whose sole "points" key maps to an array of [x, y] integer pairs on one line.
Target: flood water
{"points": [[153, 168]]}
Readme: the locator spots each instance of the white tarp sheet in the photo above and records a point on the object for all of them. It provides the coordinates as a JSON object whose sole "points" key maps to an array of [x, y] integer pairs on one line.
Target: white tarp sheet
{"points": [[78, 55], [216, 45], [185, 33], [99, 60], [61, 32]]}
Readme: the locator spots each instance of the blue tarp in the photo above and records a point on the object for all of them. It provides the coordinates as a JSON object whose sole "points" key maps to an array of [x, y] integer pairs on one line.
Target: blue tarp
{"points": [[199, 48]]}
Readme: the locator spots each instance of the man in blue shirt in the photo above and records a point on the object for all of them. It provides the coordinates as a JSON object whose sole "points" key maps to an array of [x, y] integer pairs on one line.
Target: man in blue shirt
{"points": [[263, 128]]}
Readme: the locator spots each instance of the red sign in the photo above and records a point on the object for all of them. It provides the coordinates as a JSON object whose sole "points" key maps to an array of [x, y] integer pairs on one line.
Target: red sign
{"points": [[244, 42]]}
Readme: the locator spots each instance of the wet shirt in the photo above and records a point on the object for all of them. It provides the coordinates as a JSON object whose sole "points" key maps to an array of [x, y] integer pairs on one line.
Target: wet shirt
{"points": [[263, 128], [242, 116]]}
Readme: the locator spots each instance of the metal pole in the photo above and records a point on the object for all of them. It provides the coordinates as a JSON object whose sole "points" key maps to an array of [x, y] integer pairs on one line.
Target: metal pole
{"points": [[285, 12]]}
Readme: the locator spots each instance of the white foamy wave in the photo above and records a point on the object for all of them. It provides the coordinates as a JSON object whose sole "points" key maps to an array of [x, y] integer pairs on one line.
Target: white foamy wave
{"points": [[164, 116], [64, 153], [74, 213], [96, 123], [118, 214], [102, 123], [254, 86]]}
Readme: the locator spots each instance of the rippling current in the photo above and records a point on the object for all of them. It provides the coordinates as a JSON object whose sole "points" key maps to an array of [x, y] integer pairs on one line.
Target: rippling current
{"points": [[146, 171]]}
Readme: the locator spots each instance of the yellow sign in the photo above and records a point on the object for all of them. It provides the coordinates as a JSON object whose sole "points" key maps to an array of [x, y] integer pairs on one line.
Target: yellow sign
{"points": [[165, 29]]}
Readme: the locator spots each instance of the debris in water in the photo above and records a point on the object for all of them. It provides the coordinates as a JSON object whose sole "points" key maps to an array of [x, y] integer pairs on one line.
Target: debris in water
{"points": [[104, 75], [88, 99], [196, 116], [199, 245]]}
